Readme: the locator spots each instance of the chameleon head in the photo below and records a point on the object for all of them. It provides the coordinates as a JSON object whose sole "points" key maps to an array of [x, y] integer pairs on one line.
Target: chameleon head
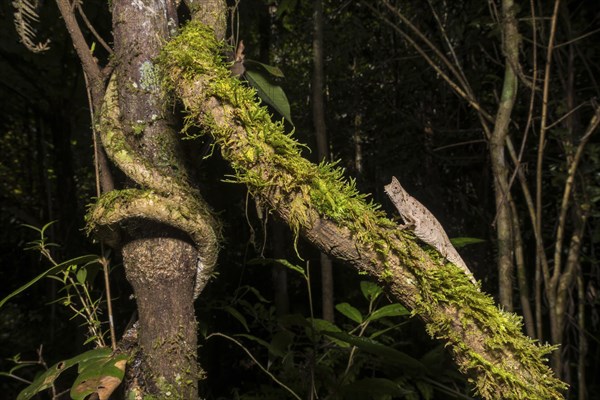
{"points": [[397, 189]]}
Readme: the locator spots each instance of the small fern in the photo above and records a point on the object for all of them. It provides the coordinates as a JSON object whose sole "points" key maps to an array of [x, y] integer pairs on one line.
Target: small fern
{"points": [[25, 15]]}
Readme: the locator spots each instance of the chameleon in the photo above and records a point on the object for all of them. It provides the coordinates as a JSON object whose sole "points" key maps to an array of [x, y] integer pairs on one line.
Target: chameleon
{"points": [[424, 224]]}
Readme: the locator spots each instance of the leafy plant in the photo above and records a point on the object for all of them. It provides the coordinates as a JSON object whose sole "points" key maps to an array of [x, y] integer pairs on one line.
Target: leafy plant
{"points": [[99, 370], [359, 359]]}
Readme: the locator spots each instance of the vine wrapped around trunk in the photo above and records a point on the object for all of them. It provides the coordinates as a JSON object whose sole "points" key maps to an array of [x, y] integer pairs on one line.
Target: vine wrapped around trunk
{"points": [[318, 203], [164, 199]]}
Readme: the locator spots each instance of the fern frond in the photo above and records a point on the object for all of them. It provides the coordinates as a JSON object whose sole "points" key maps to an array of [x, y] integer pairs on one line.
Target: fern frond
{"points": [[25, 15]]}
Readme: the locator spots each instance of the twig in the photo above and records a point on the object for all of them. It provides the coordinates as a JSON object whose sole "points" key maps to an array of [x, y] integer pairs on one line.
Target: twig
{"points": [[79, 7], [89, 64], [562, 219], [543, 130]]}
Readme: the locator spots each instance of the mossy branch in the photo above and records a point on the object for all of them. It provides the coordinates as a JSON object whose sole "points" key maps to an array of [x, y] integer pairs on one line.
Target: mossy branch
{"points": [[317, 202]]}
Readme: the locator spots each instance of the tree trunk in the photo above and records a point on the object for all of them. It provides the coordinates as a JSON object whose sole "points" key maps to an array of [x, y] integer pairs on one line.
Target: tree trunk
{"points": [[160, 263], [318, 104], [498, 159]]}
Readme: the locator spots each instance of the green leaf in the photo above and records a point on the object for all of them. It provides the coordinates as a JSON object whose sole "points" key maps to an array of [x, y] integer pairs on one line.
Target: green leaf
{"points": [[465, 241], [100, 375], [425, 388], [50, 271], [271, 93], [281, 342], [45, 380], [390, 310], [81, 275], [386, 354], [323, 326], [370, 290], [257, 294], [291, 320], [350, 312], [373, 388], [237, 315], [272, 70]]}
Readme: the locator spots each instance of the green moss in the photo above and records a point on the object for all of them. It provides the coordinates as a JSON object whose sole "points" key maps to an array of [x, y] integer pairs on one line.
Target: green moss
{"points": [[138, 128]]}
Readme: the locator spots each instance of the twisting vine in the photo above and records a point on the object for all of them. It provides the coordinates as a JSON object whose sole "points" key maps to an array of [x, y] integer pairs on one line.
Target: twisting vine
{"points": [[164, 199]]}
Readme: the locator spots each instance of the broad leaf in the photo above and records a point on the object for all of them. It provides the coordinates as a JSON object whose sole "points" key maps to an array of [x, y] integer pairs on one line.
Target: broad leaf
{"points": [[324, 327], [237, 315], [350, 312], [101, 376], [271, 93], [281, 342], [464, 241], [370, 290], [45, 380], [390, 310], [262, 342], [272, 70], [282, 261], [387, 354]]}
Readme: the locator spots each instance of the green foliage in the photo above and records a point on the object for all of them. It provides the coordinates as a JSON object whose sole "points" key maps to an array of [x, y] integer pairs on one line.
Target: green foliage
{"points": [[93, 365], [266, 88], [97, 368], [344, 359]]}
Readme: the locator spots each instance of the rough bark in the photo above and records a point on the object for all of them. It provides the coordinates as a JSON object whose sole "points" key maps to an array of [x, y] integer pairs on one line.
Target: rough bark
{"points": [[160, 264]]}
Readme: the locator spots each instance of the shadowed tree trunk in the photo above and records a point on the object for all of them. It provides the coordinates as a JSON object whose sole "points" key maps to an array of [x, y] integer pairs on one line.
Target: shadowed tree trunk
{"points": [[498, 159], [169, 244], [159, 262], [318, 103]]}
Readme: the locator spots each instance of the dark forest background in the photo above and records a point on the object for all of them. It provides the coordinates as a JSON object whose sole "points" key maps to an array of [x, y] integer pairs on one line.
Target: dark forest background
{"points": [[388, 113]]}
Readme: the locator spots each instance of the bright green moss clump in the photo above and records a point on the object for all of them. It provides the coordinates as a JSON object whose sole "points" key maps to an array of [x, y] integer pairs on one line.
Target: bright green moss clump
{"points": [[322, 187]]}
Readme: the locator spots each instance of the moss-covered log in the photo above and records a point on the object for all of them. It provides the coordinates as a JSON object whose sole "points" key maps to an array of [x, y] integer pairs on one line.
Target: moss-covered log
{"points": [[486, 343]]}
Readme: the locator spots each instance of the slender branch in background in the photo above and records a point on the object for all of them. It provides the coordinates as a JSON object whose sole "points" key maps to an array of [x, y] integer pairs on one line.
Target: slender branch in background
{"points": [[456, 72], [504, 229], [533, 87], [111, 321], [521, 272], [564, 207], [79, 7], [457, 63], [542, 139], [581, 333], [88, 62], [318, 114], [540, 258], [462, 93], [104, 183]]}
